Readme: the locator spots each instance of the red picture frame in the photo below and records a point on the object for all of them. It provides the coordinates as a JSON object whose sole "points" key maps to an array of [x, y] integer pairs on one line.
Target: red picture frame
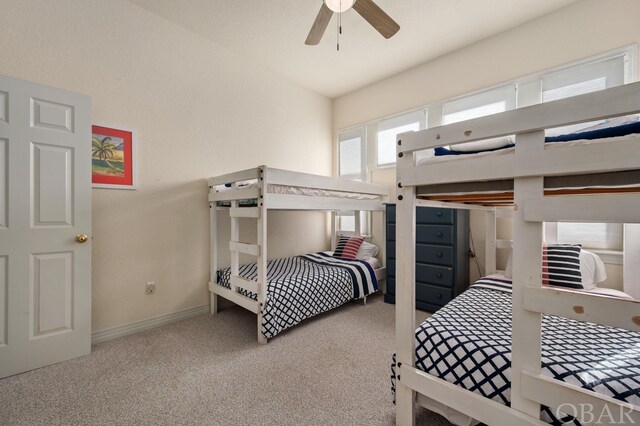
{"points": [[112, 157]]}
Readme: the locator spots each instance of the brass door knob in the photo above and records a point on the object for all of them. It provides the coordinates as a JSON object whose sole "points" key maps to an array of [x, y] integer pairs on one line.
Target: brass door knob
{"points": [[81, 238]]}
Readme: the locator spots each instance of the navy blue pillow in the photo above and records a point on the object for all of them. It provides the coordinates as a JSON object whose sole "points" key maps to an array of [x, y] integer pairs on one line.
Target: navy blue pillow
{"points": [[439, 151]]}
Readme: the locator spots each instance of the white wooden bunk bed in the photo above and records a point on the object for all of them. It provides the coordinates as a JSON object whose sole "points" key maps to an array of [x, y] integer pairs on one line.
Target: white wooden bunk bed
{"points": [[251, 194], [542, 184]]}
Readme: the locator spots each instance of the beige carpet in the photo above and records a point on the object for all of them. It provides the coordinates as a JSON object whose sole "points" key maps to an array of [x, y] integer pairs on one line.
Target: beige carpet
{"points": [[333, 369]]}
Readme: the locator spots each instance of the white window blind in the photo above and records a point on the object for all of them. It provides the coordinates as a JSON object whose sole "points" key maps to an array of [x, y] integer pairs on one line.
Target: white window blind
{"points": [[604, 236], [583, 78], [489, 102], [578, 80], [352, 165], [388, 130], [352, 153]]}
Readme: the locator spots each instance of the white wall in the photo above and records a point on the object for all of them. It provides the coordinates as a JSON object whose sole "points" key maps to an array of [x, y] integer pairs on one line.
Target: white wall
{"points": [[199, 111], [580, 30]]}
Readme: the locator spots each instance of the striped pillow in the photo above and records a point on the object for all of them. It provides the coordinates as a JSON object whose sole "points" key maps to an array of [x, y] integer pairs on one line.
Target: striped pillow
{"points": [[561, 266], [348, 247]]}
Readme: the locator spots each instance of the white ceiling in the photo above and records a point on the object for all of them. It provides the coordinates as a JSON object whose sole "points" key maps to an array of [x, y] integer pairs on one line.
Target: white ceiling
{"points": [[273, 33]]}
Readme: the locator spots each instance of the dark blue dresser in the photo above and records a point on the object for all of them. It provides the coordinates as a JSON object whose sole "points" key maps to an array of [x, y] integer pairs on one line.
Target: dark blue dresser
{"points": [[442, 255]]}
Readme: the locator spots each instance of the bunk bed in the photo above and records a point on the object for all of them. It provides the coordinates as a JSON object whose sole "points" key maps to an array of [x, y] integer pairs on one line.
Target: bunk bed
{"points": [[520, 353], [283, 292]]}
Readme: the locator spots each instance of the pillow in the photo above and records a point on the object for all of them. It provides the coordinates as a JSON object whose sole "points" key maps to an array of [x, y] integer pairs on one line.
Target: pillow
{"points": [[483, 145], [368, 250], [561, 266], [611, 122], [592, 269], [348, 247], [608, 132]]}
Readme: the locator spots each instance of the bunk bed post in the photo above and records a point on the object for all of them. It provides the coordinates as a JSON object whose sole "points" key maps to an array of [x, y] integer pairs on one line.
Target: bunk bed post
{"points": [[262, 243], [333, 230], [490, 242], [405, 293], [357, 228], [213, 260], [527, 272]]}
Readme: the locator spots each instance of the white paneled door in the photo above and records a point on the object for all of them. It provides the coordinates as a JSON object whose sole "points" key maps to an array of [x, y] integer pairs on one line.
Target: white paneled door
{"points": [[45, 225]]}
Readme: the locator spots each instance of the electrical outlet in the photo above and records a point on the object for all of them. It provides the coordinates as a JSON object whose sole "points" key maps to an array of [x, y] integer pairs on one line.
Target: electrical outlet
{"points": [[150, 287]]}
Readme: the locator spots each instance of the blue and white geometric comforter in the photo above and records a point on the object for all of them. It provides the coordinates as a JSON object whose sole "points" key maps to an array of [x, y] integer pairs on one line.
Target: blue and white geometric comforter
{"points": [[468, 343], [301, 287]]}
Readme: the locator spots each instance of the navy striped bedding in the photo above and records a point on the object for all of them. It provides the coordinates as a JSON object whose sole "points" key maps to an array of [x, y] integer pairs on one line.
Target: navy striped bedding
{"points": [[609, 132], [468, 343], [301, 287]]}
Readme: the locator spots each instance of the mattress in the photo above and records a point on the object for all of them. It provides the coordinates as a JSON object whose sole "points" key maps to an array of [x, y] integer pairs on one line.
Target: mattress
{"points": [[298, 190], [301, 287], [468, 343]]}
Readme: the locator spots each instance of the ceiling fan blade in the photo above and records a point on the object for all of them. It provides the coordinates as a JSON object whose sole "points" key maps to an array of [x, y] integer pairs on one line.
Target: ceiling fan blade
{"points": [[372, 13], [319, 25]]}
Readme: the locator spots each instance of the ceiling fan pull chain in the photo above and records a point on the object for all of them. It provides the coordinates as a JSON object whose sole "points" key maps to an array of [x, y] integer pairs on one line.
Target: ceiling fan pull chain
{"points": [[338, 29]]}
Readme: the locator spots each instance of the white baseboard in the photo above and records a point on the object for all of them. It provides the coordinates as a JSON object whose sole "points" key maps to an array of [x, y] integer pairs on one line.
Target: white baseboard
{"points": [[148, 324]]}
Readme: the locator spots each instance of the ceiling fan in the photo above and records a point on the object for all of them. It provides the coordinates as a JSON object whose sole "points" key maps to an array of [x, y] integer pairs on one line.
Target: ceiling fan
{"points": [[370, 11]]}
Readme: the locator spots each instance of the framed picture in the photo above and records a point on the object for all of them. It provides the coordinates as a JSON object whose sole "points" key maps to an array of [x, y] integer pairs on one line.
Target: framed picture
{"points": [[113, 158]]}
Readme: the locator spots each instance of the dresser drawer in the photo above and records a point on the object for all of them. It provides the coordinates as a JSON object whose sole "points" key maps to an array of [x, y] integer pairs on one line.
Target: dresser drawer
{"points": [[391, 268], [438, 255], [433, 294], [391, 232], [391, 214], [434, 234], [440, 275], [391, 285], [391, 249], [434, 215]]}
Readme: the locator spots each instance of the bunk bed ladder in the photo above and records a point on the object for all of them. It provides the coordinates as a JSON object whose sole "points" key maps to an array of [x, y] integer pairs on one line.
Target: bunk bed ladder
{"points": [[258, 250]]}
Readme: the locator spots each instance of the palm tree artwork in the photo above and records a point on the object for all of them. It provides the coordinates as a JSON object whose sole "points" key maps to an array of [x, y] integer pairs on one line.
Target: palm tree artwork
{"points": [[106, 156]]}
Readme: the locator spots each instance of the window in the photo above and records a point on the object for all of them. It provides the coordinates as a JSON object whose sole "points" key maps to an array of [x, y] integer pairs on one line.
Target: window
{"points": [[352, 152], [373, 144], [603, 236], [579, 80], [352, 164], [572, 81], [388, 130], [477, 105], [583, 78]]}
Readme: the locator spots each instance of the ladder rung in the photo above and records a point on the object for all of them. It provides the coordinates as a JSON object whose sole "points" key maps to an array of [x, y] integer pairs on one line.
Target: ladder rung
{"points": [[251, 249], [253, 212], [250, 285]]}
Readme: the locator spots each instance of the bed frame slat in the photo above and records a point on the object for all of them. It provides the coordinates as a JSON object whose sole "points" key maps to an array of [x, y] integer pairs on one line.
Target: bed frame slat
{"points": [[250, 212], [566, 160], [235, 194], [237, 298], [472, 404], [251, 285], [584, 307], [580, 403], [250, 249], [303, 202]]}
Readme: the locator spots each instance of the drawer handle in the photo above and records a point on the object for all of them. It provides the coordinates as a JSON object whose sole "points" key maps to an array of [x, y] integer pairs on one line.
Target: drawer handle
{"points": [[439, 214], [439, 274], [440, 234], [439, 295], [439, 254]]}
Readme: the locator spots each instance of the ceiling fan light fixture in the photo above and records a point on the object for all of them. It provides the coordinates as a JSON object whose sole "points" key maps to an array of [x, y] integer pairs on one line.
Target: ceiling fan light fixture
{"points": [[339, 6]]}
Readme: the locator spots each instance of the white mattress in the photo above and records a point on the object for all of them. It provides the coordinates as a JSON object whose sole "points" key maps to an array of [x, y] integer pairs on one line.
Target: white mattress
{"points": [[301, 190], [506, 151]]}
